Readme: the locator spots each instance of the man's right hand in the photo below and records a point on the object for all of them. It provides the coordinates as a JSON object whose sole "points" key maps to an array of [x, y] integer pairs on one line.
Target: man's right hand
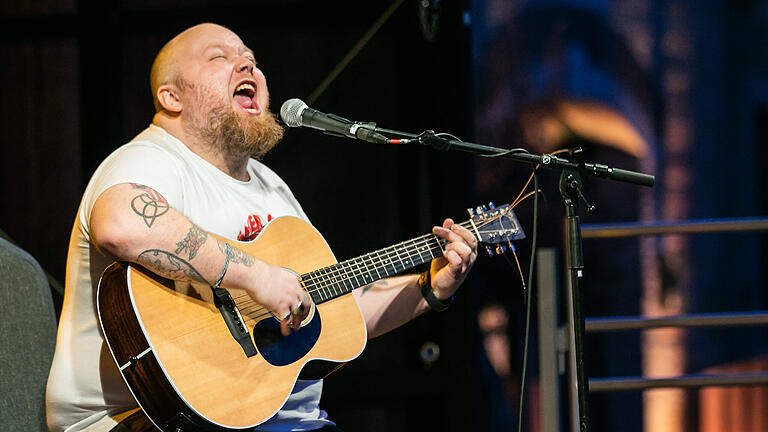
{"points": [[280, 291]]}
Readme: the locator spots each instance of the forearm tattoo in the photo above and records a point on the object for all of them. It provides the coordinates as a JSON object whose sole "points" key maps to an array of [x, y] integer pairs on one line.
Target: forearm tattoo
{"points": [[237, 256], [192, 242], [150, 205], [169, 265], [377, 284]]}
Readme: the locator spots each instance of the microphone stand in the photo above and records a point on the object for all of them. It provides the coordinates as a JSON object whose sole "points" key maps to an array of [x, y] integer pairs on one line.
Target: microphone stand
{"points": [[570, 187]]}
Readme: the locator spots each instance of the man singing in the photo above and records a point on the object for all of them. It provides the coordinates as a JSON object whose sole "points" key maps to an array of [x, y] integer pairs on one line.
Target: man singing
{"points": [[154, 201]]}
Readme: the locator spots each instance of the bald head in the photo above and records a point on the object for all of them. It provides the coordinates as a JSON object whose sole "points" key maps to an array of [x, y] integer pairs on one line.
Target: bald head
{"points": [[166, 69]]}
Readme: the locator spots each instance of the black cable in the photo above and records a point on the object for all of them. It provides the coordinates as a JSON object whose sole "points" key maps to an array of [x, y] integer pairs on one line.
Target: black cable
{"points": [[528, 299], [504, 153]]}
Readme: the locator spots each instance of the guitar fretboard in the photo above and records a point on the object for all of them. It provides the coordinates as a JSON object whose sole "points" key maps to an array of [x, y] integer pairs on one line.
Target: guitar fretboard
{"points": [[338, 279]]}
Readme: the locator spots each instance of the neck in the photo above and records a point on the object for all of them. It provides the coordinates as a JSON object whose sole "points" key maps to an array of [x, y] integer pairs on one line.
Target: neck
{"points": [[234, 165]]}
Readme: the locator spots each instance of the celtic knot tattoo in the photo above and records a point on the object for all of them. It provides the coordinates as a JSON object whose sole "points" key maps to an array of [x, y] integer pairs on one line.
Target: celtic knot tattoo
{"points": [[192, 242], [149, 205]]}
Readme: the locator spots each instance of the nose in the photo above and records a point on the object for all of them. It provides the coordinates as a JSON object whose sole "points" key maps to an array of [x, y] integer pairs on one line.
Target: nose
{"points": [[246, 66]]}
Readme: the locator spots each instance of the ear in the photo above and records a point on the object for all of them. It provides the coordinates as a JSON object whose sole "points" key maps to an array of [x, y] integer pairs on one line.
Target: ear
{"points": [[168, 96]]}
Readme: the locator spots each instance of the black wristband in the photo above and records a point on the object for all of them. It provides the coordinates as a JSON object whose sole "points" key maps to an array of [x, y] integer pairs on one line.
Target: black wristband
{"points": [[425, 284]]}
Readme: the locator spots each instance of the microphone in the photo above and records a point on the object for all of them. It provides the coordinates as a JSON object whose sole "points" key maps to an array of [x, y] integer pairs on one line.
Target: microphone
{"points": [[295, 113]]}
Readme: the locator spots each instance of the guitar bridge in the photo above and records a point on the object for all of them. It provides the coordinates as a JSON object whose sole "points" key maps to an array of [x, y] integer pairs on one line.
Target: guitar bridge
{"points": [[223, 301]]}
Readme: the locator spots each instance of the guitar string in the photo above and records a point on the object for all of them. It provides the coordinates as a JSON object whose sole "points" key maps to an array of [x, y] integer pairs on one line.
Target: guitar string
{"points": [[322, 280], [352, 267], [339, 268], [423, 239], [250, 306], [350, 271], [345, 267]]}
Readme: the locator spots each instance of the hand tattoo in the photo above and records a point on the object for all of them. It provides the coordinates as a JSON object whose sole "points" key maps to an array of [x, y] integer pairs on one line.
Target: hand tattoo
{"points": [[149, 205], [192, 242], [169, 265], [237, 256]]}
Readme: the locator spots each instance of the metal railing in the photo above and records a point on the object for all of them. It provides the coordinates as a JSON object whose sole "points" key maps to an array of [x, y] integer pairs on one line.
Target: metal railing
{"points": [[636, 229], [554, 343], [593, 325]]}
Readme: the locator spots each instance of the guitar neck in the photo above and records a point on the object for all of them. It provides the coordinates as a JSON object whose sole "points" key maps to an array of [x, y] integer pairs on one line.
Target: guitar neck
{"points": [[341, 278]]}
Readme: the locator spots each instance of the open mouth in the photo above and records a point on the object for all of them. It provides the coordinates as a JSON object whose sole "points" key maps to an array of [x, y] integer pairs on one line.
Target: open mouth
{"points": [[245, 96]]}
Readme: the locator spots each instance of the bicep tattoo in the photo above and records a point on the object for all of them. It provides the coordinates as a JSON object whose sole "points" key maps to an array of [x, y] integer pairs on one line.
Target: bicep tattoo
{"points": [[169, 265], [150, 205]]}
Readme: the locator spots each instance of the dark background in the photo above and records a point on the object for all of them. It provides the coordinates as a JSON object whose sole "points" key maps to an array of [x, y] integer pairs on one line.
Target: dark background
{"points": [[692, 77], [77, 86]]}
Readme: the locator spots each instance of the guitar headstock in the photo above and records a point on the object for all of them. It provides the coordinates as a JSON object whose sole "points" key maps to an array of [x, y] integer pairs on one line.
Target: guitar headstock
{"points": [[495, 226]]}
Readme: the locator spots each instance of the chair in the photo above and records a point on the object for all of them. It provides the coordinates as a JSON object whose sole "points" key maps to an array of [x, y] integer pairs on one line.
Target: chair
{"points": [[27, 337]]}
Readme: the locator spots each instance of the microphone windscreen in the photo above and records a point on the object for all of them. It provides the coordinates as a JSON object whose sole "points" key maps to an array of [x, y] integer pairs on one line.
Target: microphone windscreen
{"points": [[291, 111]]}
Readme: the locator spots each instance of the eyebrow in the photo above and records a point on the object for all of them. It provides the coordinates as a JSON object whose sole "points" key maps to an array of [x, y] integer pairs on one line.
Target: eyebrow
{"points": [[223, 47]]}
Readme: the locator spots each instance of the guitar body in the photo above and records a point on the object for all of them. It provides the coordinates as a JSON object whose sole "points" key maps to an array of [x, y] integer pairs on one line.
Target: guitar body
{"points": [[181, 361]]}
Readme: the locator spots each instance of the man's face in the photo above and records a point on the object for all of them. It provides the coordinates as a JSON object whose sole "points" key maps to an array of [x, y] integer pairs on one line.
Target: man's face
{"points": [[224, 94]]}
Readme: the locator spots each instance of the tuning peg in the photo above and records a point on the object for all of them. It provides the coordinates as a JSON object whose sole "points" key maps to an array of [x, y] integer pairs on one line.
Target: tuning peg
{"points": [[500, 249], [480, 211], [490, 205], [489, 250], [471, 212]]}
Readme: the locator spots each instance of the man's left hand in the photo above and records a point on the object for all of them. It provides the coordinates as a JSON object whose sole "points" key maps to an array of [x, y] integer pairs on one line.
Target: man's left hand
{"points": [[450, 270]]}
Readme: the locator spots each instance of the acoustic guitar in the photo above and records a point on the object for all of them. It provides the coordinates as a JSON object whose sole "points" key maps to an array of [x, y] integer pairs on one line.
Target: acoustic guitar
{"points": [[199, 359]]}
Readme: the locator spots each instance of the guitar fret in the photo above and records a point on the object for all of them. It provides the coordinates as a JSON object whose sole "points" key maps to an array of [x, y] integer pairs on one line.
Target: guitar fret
{"points": [[375, 267], [415, 250], [332, 288], [340, 278], [430, 250], [399, 258], [408, 263], [323, 282], [349, 275], [389, 262], [383, 264], [421, 249], [363, 276], [307, 281], [355, 274]]}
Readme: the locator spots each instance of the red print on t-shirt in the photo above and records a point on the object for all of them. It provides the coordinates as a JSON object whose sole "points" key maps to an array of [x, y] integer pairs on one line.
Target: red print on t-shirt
{"points": [[252, 227]]}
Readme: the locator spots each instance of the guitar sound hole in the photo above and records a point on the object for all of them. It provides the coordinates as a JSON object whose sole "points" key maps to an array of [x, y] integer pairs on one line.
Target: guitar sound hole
{"points": [[280, 350]]}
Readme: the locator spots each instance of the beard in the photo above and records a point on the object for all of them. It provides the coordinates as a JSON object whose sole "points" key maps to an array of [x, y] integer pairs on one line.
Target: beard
{"points": [[229, 131]]}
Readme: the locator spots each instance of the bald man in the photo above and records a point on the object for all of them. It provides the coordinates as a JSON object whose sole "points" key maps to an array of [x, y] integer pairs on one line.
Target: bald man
{"points": [[154, 201]]}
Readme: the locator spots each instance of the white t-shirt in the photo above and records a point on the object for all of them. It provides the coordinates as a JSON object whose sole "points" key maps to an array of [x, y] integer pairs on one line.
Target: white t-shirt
{"points": [[85, 387]]}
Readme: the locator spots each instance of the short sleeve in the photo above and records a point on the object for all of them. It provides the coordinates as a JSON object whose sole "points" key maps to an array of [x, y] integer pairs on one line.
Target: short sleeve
{"points": [[137, 162]]}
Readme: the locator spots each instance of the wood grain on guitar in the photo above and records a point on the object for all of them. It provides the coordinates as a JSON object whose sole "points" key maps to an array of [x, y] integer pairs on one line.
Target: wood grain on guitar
{"points": [[184, 366]]}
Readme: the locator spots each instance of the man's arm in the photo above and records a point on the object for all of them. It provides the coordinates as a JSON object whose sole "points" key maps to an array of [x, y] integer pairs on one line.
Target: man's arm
{"points": [[132, 222], [391, 302]]}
